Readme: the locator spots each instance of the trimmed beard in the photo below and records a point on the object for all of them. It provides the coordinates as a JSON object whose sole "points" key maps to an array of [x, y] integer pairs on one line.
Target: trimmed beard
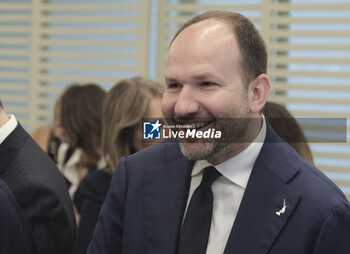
{"points": [[233, 130]]}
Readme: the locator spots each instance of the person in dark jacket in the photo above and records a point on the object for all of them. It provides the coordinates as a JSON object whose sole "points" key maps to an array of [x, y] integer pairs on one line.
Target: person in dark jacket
{"points": [[38, 187]]}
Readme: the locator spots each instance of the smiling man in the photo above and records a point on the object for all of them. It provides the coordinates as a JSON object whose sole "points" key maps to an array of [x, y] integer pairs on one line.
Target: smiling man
{"points": [[247, 192], [206, 84]]}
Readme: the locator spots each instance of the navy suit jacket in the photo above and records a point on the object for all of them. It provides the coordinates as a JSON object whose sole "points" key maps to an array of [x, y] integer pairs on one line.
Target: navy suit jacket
{"points": [[15, 234], [40, 191], [145, 205]]}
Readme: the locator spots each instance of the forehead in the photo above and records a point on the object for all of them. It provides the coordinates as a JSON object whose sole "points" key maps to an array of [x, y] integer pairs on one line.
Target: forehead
{"points": [[208, 44], [210, 31]]}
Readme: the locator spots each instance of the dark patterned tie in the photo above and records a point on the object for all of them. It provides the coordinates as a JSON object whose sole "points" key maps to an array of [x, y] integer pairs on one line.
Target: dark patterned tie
{"points": [[196, 226]]}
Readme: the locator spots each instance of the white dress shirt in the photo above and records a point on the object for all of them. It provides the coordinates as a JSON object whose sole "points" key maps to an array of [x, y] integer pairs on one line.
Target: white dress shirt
{"points": [[8, 127], [228, 190]]}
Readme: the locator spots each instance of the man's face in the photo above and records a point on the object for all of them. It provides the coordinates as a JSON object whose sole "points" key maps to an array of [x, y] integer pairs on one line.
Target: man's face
{"points": [[204, 86]]}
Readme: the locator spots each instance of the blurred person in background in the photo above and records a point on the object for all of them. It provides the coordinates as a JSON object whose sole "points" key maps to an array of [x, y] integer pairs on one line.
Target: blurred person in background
{"points": [[125, 105], [286, 126], [38, 187], [79, 126], [63, 154]]}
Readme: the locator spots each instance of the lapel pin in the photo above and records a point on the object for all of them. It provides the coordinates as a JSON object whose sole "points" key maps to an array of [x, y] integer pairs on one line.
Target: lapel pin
{"points": [[283, 209]]}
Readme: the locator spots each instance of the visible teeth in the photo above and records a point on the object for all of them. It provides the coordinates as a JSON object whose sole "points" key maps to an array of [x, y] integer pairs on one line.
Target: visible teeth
{"points": [[192, 125], [198, 125]]}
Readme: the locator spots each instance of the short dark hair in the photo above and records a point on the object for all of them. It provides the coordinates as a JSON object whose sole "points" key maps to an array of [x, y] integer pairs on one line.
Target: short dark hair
{"points": [[1, 106], [250, 42]]}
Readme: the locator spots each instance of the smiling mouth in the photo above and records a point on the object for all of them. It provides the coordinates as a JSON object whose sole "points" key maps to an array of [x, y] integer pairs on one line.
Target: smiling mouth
{"points": [[194, 125]]}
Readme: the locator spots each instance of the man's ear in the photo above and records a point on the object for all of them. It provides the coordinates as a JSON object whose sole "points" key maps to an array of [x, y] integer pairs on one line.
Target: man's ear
{"points": [[259, 91]]}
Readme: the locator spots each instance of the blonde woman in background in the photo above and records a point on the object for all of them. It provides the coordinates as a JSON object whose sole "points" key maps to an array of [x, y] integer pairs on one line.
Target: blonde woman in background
{"points": [[125, 105]]}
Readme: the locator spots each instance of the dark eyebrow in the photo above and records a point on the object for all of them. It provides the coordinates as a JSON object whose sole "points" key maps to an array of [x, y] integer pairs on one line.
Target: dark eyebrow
{"points": [[203, 75], [170, 80], [206, 76], [199, 77]]}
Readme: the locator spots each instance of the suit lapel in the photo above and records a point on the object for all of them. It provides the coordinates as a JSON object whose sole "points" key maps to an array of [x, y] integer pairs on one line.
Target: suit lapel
{"points": [[165, 195], [257, 225]]}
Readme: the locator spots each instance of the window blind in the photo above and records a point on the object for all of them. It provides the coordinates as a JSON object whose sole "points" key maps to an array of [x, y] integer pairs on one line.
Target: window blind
{"points": [[65, 42]]}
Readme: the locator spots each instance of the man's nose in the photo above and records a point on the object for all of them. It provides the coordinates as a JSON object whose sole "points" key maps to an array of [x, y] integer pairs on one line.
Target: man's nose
{"points": [[186, 104]]}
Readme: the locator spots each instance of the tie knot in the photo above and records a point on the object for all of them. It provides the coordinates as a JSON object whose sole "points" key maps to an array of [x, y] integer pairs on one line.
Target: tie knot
{"points": [[210, 174]]}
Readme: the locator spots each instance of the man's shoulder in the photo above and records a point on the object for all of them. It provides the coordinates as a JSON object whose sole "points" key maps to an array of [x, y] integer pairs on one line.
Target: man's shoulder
{"points": [[318, 187], [306, 179], [30, 159], [30, 168], [25, 157], [289, 166], [19, 142]]}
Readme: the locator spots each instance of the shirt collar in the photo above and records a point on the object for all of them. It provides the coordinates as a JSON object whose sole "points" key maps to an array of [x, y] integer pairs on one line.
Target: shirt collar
{"points": [[239, 167], [8, 127]]}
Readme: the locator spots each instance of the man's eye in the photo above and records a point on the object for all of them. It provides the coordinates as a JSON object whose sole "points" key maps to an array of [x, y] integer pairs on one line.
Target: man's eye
{"points": [[207, 84], [174, 85]]}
